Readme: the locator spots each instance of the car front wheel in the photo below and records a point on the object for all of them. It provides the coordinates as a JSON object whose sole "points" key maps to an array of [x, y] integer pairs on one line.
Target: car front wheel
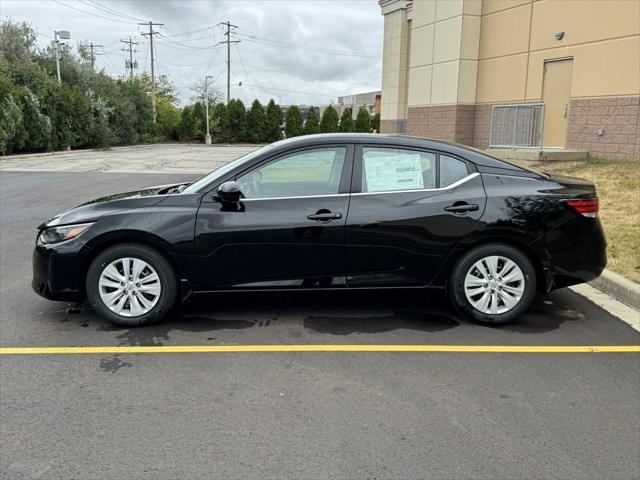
{"points": [[493, 284], [131, 285]]}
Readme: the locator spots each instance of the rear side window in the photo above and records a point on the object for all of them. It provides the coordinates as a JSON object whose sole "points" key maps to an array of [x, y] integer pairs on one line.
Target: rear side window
{"points": [[451, 170], [389, 169]]}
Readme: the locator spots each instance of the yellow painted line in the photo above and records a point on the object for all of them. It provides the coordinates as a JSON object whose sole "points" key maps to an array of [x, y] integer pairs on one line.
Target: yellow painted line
{"points": [[322, 348]]}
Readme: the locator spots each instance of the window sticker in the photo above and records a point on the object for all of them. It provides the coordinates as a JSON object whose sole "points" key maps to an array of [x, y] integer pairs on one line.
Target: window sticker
{"points": [[393, 172]]}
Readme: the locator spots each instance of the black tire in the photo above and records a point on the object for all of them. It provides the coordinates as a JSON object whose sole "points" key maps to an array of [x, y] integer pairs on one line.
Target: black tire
{"points": [[168, 294], [456, 283]]}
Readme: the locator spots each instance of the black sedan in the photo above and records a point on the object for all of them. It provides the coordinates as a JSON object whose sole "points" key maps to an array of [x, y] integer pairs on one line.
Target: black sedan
{"points": [[337, 211]]}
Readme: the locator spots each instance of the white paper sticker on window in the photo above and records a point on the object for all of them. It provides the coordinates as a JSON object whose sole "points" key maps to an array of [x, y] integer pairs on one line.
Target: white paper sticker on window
{"points": [[394, 172]]}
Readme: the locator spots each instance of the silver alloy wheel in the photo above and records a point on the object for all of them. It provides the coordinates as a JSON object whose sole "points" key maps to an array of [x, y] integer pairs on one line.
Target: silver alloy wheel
{"points": [[129, 287], [494, 285]]}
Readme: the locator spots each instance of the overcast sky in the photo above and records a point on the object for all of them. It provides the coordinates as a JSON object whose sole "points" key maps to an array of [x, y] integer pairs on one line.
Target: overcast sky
{"points": [[295, 51]]}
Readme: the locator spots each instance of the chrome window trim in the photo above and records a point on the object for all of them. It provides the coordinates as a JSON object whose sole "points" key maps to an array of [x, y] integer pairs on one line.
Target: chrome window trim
{"points": [[295, 197], [448, 187]]}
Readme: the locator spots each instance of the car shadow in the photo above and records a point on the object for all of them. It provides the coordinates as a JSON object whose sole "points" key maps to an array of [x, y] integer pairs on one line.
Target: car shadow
{"points": [[327, 313]]}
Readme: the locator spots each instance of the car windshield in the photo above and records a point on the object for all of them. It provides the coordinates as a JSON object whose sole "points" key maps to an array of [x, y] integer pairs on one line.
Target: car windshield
{"points": [[223, 170]]}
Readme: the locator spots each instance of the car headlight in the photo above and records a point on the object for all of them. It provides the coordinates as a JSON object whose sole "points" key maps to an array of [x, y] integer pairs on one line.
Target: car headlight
{"points": [[60, 234]]}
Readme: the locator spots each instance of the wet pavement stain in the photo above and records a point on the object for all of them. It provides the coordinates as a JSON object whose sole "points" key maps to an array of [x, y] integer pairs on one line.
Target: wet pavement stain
{"points": [[113, 364], [409, 320], [155, 335], [544, 316]]}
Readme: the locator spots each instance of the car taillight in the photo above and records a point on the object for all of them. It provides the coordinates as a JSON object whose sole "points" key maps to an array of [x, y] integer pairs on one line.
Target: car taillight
{"points": [[587, 207]]}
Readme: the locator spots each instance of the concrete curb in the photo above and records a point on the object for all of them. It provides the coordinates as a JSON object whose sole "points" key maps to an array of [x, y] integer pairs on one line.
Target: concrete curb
{"points": [[618, 287]]}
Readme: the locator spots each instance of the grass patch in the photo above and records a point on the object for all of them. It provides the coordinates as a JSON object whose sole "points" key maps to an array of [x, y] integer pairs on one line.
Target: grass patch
{"points": [[618, 185]]}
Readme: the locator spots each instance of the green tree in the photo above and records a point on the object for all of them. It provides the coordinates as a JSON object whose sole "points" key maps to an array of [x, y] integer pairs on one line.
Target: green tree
{"points": [[220, 131], [346, 121], [273, 130], [375, 123], [363, 121], [164, 87], [329, 122], [312, 124], [168, 119], [17, 41], [256, 123], [237, 121], [293, 122]]}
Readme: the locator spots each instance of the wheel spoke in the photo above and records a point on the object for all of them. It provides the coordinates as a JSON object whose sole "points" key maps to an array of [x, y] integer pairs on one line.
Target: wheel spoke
{"points": [[472, 281], [126, 268], [481, 268], [138, 267], [110, 298], [494, 303], [508, 300], [492, 265], [135, 306], [112, 272], [506, 268], [152, 277], [117, 308], [105, 282], [153, 289]]}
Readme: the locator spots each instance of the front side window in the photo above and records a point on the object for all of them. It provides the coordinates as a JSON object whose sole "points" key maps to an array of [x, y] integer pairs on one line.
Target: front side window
{"points": [[389, 169], [301, 174]]}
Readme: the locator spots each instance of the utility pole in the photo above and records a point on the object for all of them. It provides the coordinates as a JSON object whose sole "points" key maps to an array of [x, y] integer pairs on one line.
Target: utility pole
{"points": [[57, 35], [207, 137], [130, 64], [151, 33], [228, 41], [93, 57]]}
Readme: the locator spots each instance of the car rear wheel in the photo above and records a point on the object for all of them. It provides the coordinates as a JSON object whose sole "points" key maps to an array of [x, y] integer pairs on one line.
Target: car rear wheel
{"points": [[131, 285], [493, 284]]}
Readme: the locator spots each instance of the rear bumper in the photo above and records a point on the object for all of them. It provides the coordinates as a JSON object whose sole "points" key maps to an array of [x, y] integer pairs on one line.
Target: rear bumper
{"points": [[57, 275], [578, 255]]}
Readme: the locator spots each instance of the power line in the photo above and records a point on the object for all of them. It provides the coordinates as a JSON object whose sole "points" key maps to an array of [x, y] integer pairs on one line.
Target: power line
{"points": [[289, 91], [93, 14], [109, 10], [188, 33], [306, 47]]}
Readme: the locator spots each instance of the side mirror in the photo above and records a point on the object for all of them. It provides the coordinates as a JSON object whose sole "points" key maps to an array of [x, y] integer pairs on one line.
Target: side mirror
{"points": [[229, 192]]}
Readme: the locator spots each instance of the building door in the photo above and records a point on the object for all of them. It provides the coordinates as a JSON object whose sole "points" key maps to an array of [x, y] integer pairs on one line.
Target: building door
{"points": [[556, 91]]}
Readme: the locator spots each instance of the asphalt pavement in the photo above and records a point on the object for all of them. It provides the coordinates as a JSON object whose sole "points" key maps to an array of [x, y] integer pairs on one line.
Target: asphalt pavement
{"points": [[297, 415]]}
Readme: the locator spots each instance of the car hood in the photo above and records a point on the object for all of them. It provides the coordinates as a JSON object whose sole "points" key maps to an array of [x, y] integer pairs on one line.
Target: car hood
{"points": [[94, 209]]}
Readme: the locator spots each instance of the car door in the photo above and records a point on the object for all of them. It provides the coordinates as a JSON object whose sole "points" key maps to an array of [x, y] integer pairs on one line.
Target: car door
{"points": [[409, 207], [288, 230]]}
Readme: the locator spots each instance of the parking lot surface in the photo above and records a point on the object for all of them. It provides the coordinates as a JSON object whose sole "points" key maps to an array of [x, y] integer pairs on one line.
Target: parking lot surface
{"points": [[256, 414]]}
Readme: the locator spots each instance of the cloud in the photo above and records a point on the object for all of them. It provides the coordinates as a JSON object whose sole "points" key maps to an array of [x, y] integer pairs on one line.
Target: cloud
{"points": [[286, 46]]}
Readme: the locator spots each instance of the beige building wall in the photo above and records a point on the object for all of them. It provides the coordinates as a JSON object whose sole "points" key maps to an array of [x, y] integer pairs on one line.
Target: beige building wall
{"points": [[477, 53], [395, 66]]}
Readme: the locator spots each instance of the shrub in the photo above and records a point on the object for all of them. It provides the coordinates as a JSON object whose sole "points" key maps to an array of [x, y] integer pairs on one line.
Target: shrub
{"points": [[293, 122], [329, 122], [256, 123], [346, 121], [312, 124], [363, 121]]}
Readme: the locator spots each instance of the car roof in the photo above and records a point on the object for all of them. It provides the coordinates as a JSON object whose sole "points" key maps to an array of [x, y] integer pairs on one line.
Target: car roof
{"points": [[476, 156]]}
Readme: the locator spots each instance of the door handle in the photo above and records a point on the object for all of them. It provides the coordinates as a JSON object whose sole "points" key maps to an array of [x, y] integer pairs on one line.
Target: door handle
{"points": [[324, 216], [462, 208]]}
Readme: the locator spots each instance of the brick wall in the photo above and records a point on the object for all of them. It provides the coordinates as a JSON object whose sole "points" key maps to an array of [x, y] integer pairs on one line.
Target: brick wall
{"points": [[452, 123], [619, 117], [482, 126]]}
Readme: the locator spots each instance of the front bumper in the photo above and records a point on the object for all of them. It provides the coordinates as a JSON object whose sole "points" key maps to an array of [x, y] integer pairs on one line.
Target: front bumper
{"points": [[57, 273]]}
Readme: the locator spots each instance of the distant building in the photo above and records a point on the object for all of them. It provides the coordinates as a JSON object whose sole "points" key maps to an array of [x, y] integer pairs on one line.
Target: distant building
{"points": [[514, 73], [368, 100]]}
